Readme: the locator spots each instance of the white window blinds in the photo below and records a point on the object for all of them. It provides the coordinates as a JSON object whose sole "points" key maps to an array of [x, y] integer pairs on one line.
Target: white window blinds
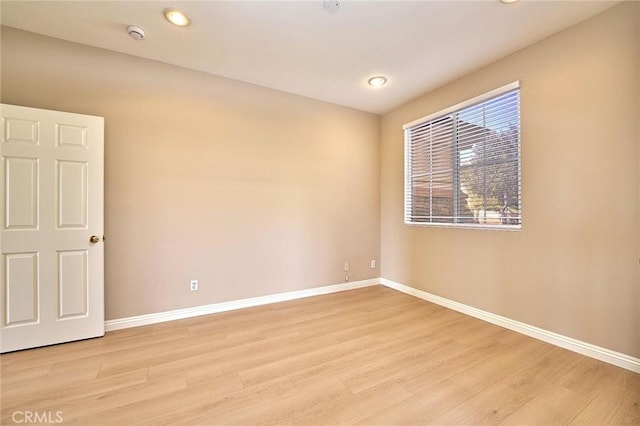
{"points": [[462, 167]]}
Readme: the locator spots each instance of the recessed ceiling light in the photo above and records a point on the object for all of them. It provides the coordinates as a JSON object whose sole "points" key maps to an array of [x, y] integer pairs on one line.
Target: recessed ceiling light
{"points": [[176, 17], [377, 81], [332, 6], [508, 1]]}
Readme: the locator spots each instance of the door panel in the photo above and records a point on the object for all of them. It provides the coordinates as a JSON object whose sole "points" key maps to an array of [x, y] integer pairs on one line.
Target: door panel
{"points": [[21, 130], [21, 271], [52, 203], [72, 194], [21, 193], [70, 135], [72, 283]]}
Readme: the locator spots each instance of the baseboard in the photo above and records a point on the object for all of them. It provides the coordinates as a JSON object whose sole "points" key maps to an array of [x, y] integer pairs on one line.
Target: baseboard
{"points": [[118, 324], [612, 357]]}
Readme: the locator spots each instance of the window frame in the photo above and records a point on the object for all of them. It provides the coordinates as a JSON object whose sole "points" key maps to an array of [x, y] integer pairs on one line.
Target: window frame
{"points": [[441, 114]]}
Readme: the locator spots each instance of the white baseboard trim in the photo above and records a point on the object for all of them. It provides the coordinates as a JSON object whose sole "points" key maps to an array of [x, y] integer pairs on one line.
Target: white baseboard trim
{"points": [[612, 357], [121, 323]]}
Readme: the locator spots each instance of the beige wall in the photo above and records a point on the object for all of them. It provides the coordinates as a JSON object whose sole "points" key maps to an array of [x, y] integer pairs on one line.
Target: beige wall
{"points": [[249, 190], [573, 268]]}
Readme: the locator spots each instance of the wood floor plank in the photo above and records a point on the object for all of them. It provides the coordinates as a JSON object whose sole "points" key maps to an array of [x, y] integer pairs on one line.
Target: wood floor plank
{"points": [[350, 362], [278, 368], [629, 381], [422, 408], [446, 366], [614, 405], [46, 397], [492, 406], [119, 406], [544, 372], [558, 406], [202, 405], [367, 356], [519, 352], [589, 377], [403, 364]]}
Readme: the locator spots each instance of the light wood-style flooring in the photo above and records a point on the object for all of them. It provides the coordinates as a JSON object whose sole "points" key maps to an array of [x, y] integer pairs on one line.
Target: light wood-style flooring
{"points": [[370, 356]]}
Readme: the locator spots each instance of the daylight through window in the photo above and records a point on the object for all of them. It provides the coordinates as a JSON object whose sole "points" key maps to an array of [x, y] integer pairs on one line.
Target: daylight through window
{"points": [[462, 165]]}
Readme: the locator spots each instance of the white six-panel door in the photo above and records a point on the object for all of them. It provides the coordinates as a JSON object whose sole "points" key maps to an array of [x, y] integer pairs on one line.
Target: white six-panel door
{"points": [[52, 274]]}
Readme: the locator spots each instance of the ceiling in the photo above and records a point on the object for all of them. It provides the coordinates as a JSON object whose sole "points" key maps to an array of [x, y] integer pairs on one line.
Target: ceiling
{"points": [[299, 47]]}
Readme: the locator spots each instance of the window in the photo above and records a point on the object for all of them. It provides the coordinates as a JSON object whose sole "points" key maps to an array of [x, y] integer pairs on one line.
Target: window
{"points": [[462, 165]]}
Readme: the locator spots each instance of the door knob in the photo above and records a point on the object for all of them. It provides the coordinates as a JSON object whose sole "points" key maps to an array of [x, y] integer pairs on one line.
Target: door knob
{"points": [[94, 239]]}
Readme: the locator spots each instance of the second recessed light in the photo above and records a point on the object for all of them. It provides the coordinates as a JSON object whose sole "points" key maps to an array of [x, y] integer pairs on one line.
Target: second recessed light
{"points": [[176, 17], [377, 81]]}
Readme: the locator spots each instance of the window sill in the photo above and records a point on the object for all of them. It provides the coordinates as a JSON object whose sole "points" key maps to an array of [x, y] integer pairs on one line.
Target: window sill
{"points": [[467, 226]]}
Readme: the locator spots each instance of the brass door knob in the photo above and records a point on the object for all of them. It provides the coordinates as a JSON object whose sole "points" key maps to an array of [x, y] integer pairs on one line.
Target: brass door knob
{"points": [[94, 239]]}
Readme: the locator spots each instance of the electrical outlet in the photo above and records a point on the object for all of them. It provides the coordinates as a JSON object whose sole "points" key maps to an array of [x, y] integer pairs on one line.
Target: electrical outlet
{"points": [[193, 285], [373, 264], [346, 266]]}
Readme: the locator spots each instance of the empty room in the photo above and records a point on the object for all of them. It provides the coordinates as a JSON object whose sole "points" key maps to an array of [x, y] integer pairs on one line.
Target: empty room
{"points": [[320, 212]]}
